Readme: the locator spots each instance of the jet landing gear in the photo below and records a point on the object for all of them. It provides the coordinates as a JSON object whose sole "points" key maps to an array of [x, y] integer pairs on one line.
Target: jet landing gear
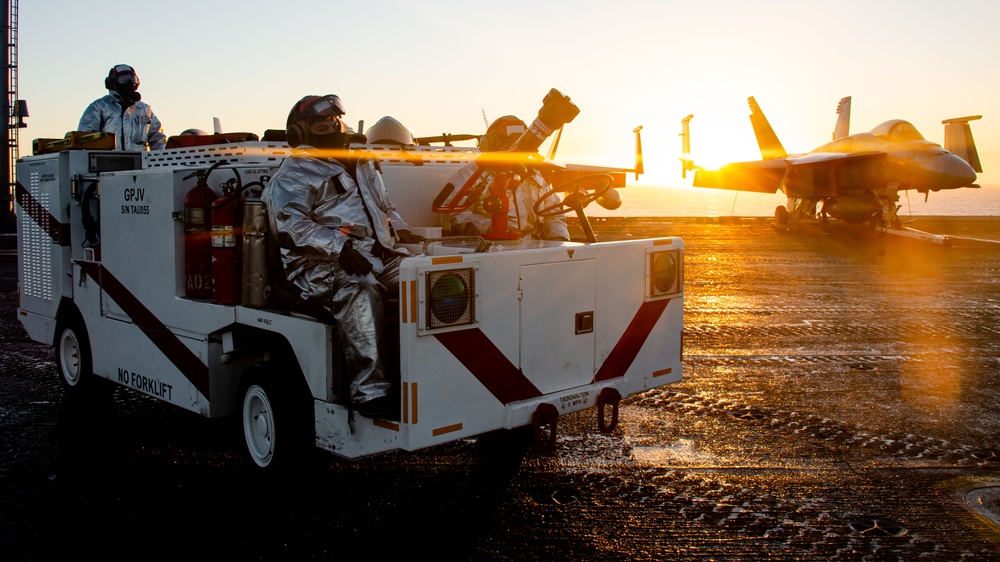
{"points": [[801, 209], [781, 217], [890, 215]]}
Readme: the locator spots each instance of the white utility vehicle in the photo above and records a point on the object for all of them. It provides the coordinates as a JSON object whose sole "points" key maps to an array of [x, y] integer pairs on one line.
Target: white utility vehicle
{"points": [[486, 335]]}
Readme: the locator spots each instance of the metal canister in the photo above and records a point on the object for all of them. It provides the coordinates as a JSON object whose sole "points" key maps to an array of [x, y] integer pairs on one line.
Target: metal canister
{"points": [[256, 282]]}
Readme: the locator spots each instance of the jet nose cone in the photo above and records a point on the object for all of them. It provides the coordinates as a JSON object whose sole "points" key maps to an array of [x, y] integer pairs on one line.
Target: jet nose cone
{"points": [[949, 171]]}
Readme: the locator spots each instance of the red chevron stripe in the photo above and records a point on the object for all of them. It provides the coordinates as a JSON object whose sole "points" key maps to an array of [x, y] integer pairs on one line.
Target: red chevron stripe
{"points": [[628, 346], [56, 230], [175, 351], [508, 384], [489, 365]]}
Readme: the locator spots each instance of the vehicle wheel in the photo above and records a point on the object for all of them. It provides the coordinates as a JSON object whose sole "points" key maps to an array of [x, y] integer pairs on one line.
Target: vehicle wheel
{"points": [[781, 216], [276, 423], [72, 355]]}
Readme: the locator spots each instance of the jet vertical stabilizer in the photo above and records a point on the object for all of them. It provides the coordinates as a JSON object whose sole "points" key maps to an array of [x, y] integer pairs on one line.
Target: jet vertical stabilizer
{"points": [[770, 146], [958, 140], [843, 126], [639, 168], [685, 158]]}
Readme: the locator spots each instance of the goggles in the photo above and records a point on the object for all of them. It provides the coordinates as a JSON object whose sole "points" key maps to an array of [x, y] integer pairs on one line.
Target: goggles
{"points": [[322, 107], [514, 130], [129, 78], [326, 126]]}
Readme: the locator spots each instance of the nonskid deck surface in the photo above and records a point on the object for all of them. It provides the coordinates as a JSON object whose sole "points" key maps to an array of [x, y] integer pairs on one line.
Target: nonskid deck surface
{"points": [[839, 402]]}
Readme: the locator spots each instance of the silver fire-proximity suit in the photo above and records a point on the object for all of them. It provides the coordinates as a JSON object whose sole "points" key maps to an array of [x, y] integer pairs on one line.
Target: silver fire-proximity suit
{"points": [[521, 217], [314, 207], [135, 126]]}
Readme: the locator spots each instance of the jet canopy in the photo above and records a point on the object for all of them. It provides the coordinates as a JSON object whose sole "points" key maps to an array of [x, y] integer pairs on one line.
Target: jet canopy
{"points": [[897, 130]]}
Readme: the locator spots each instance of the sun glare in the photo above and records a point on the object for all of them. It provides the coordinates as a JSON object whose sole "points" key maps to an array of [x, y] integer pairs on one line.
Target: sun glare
{"points": [[715, 145]]}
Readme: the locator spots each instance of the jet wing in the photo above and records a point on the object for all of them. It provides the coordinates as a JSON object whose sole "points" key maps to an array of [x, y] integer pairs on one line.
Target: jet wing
{"points": [[816, 174], [759, 176], [819, 158]]}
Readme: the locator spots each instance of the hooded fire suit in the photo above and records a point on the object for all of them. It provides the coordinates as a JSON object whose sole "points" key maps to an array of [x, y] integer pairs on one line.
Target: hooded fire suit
{"points": [[314, 207], [135, 127], [521, 215]]}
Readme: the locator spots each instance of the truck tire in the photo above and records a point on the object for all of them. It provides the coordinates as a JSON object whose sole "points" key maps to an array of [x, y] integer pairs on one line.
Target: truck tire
{"points": [[276, 421], [72, 355]]}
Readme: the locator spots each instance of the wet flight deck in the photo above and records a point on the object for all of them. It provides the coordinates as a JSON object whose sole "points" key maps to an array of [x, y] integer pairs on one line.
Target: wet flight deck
{"points": [[840, 401]]}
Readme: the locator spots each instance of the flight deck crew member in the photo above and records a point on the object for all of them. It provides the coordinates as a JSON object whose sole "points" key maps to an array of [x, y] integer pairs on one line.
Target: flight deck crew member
{"points": [[521, 218], [337, 231], [120, 112], [388, 130]]}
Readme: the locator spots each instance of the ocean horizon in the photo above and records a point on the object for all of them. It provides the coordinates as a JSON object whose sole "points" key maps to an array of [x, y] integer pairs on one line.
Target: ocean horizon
{"points": [[667, 201]]}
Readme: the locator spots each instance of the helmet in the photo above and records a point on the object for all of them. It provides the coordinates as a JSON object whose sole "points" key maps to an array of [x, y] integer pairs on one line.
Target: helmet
{"points": [[501, 134], [388, 130], [121, 74], [123, 83], [309, 110], [193, 133]]}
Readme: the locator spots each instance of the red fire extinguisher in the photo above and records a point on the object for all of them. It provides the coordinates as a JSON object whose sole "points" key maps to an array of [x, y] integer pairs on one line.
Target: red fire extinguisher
{"points": [[226, 226], [198, 240]]}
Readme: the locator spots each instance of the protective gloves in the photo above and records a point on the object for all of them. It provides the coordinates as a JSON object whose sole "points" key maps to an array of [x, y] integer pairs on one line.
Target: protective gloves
{"points": [[407, 237], [353, 261]]}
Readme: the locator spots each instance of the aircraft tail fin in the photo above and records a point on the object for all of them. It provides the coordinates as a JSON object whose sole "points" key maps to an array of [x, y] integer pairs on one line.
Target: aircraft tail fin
{"points": [[958, 140], [843, 127], [639, 168], [687, 164], [770, 146]]}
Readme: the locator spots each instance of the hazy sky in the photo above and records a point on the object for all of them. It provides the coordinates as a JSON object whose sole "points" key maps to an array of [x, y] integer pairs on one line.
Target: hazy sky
{"points": [[438, 66]]}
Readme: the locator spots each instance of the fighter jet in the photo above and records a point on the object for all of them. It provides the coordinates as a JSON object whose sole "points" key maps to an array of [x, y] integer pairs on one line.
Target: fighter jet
{"points": [[855, 178]]}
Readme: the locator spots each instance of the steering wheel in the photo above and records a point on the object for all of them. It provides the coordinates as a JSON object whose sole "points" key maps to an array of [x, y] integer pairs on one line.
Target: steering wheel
{"points": [[577, 198]]}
